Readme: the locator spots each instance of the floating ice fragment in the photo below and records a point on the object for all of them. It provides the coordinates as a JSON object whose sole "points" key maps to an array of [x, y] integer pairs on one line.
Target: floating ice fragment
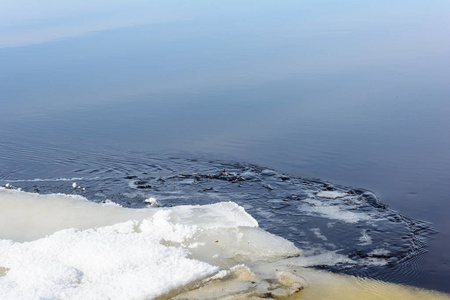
{"points": [[109, 202], [318, 234], [331, 194], [268, 186], [365, 239], [249, 175], [379, 252], [152, 202], [187, 181], [268, 172]]}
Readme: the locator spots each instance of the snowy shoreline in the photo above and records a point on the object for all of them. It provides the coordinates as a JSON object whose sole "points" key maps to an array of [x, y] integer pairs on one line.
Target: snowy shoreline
{"points": [[59, 246]]}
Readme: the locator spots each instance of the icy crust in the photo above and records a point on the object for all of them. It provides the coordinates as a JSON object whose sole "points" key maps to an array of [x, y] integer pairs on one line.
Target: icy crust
{"points": [[124, 253], [27, 216]]}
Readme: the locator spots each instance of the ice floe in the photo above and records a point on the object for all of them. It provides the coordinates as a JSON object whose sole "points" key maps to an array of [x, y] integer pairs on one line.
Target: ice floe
{"points": [[59, 246]]}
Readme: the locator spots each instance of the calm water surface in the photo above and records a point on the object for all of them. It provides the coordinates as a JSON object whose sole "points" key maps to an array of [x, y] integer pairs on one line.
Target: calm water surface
{"points": [[355, 93]]}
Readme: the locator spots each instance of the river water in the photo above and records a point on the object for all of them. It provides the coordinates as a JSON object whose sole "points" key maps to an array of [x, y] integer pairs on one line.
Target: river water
{"points": [[334, 96]]}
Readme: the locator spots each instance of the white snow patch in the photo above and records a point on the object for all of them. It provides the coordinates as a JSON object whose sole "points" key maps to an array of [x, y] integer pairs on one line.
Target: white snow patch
{"points": [[195, 245], [113, 262]]}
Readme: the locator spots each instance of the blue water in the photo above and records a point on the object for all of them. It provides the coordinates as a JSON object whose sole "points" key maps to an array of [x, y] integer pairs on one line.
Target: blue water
{"points": [[355, 93]]}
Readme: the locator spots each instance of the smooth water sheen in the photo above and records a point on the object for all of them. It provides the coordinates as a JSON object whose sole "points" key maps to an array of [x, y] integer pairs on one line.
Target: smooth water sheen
{"points": [[114, 96]]}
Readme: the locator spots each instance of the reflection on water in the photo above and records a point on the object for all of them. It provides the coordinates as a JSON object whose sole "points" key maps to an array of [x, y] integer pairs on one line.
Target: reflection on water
{"points": [[355, 93]]}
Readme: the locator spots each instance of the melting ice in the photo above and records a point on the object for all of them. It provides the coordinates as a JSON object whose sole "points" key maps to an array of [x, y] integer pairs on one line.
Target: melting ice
{"points": [[187, 229], [65, 247]]}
